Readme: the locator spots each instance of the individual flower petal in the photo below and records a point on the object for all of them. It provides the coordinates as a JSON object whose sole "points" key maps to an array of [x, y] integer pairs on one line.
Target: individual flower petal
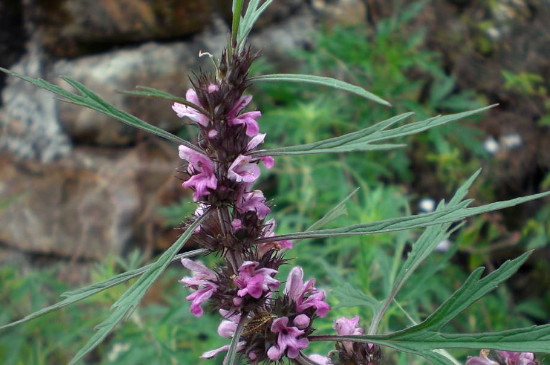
{"points": [[201, 282], [315, 300], [347, 327], [517, 358], [200, 296], [210, 354], [287, 340], [249, 121], [301, 321], [269, 231], [201, 169], [253, 201], [255, 282], [189, 112], [243, 170], [227, 328], [240, 105], [319, 359], [275, 353], [201, 272], [482, 359], [304, 294], [254, 142], [268, 161]]}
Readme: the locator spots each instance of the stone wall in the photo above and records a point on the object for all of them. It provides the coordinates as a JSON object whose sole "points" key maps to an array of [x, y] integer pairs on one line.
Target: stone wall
{"points": [[75, 183]]}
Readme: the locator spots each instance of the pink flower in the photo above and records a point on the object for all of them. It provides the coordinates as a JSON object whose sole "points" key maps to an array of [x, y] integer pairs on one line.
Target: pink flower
{"points": [[301, 321], [189, 112], [210, 354], [278, 245], [249, 121], [255, 282], [304, 294], [319, 359], [202, 282], [226, 328], [517, 358], [287, 340], [202, 170], [346, 327], [253, 201], [268, 161], [482, 359], [243, 170], [246, 119]]}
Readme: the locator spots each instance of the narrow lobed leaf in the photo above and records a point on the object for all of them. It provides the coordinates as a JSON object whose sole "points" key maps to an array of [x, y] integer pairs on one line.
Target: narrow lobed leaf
{"points": [[324, 81], [446, 215], [363, 140], [129, 301], [74, 296], [90, 100]]}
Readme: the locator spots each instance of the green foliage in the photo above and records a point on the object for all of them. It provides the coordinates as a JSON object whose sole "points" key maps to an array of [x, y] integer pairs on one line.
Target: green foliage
{"points": [[524, 83], [378, 283]]}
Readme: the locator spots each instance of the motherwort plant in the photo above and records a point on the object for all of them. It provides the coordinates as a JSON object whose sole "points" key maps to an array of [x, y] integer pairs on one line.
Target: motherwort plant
{"points": [[268, 319]]}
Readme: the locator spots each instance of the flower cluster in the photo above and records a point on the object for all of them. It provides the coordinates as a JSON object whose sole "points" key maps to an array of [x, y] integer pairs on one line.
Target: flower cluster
{"points": [[348, 352], [221, 170]]}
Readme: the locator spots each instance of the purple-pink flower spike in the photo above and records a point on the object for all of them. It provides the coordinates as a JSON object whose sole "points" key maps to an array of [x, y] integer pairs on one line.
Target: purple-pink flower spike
{"points": [[221, 172]]}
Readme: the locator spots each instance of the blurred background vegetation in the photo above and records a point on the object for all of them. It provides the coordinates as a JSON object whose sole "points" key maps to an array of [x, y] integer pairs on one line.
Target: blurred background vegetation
{"points": [[427, 57]]}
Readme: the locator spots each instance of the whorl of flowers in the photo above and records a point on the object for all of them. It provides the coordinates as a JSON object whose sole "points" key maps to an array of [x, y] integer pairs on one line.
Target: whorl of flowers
{"points": [[221, 172]]}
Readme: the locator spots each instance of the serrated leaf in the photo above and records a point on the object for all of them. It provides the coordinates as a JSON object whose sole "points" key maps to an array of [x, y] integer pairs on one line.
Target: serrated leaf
{"points": [[324, 81], [349, 296], [129, 301], [92, 101], [471, 291], [446, 215], [337, 211], [369, 138], [424, 338]]}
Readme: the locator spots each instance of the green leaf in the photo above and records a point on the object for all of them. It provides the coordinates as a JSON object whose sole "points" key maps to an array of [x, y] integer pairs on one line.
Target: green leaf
{"points": [[89, 99], [472, 290], [337, 211], [129, 301], [77, 295], [232, 352], [426, 243], [446, 215], [424, 338], [249, 19], [324, 81], [152, 92], [348, 296], [365, 139]]}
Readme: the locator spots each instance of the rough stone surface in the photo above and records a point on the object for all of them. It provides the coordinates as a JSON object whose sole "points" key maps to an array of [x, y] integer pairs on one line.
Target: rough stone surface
{"points": [[343, 12], [12, 35], [161, 66], [84, 206], [30, 125], [73, 28]]}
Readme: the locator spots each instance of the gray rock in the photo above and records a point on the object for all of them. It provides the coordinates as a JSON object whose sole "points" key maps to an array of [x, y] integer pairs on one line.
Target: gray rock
{"points": [[76, 27], [162, 66], [84, 206], [29, 123]]}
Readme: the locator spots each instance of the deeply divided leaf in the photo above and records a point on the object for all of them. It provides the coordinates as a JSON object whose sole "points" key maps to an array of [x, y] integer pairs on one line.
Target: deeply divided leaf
{"points": [[129, 301]]}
